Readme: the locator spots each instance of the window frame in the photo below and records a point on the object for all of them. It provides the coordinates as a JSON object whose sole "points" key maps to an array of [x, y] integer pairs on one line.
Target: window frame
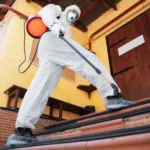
{"points": [[37, 64]]}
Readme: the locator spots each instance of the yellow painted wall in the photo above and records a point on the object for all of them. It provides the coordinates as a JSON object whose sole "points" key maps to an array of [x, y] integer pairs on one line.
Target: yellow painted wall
{"points": [[99, 44], [11, 55]]}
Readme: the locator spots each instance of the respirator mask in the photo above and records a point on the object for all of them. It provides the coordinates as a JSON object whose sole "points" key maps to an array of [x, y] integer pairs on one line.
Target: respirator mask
{"points": [[72, 16]]}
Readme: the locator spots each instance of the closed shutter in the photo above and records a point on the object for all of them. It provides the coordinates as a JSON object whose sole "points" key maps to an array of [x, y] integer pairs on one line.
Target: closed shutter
{"points": [[129, 53]]}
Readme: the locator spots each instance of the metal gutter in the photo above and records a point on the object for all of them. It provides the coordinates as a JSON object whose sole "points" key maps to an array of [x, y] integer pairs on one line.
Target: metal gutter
{"points": [[98, 114], [100, 118], [132, 133]]}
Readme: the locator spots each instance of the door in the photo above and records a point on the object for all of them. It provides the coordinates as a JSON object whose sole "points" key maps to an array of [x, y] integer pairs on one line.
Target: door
{"points": [[129, 53]]}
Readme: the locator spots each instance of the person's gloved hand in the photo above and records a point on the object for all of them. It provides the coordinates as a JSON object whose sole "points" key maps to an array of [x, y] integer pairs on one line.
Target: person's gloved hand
{"points": [[56, 29]]}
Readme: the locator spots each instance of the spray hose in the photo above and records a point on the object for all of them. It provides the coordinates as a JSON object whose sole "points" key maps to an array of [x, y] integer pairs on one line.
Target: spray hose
{"points": [[115, 88], [25, 51]]}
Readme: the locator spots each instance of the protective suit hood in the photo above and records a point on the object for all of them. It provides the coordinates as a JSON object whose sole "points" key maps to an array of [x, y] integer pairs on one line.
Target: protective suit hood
{"points": [[64, 14], [73, 7]]}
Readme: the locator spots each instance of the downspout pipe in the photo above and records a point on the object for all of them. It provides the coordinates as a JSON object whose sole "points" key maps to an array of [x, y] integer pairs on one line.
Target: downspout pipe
{"points": [[14, 10], [91, 38]]}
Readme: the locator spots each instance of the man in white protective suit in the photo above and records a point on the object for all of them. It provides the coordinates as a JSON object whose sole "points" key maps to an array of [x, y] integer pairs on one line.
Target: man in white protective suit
{"points": [[54, 54]]}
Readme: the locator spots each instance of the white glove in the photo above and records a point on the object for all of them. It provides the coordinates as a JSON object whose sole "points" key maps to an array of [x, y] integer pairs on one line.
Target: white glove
{"points": [[56, 29]]}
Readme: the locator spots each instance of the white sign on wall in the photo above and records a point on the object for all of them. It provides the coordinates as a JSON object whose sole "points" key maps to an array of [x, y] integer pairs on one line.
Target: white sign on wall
{"points": [[131, 45]]}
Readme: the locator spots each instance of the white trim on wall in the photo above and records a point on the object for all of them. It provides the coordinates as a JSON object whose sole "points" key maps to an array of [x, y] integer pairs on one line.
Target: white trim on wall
{"points": [[131, 45]]}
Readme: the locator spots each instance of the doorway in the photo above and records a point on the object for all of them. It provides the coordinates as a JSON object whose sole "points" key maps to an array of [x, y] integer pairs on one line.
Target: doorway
{"points": [[129, 57]]}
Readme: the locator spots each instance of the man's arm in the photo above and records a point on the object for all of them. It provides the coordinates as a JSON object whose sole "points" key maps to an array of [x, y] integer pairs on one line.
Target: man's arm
{"points": [[49, 14]]}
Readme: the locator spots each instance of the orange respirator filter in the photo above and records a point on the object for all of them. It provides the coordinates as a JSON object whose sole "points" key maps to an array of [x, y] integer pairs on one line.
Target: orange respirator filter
{"points": [[35, 27]]}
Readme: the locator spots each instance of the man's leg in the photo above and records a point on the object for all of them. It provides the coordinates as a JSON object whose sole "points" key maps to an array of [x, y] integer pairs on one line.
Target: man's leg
{"points": [[103, 86], [106, 91], [66, 56], [35, 101]]}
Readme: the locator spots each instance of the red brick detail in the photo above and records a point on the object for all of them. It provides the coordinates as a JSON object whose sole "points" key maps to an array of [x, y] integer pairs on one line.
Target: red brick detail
{"points": [[138, 120], [76, 132], [133, 121], [102, 127], [116, 113], [7, 124], [63, 134], [99, 127]]}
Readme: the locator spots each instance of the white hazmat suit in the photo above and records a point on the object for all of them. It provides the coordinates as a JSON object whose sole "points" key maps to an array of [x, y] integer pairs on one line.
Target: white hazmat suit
{"points": [[53, 55]]}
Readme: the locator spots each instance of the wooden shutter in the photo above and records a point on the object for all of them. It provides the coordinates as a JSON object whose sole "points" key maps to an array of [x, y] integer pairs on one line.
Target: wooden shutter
{"points": [[131, 70], [67, 73]]}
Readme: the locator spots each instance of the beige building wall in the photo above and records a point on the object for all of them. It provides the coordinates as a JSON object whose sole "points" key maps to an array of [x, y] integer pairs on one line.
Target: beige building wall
{"points": [[11, 55]]}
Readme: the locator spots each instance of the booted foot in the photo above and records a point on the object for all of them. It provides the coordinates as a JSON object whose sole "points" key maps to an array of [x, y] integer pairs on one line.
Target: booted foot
{"points": [[21, 136], [116, 102]]}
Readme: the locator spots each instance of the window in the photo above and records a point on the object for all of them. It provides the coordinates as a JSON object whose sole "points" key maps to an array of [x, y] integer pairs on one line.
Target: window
{"points": [[67, 73]]}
